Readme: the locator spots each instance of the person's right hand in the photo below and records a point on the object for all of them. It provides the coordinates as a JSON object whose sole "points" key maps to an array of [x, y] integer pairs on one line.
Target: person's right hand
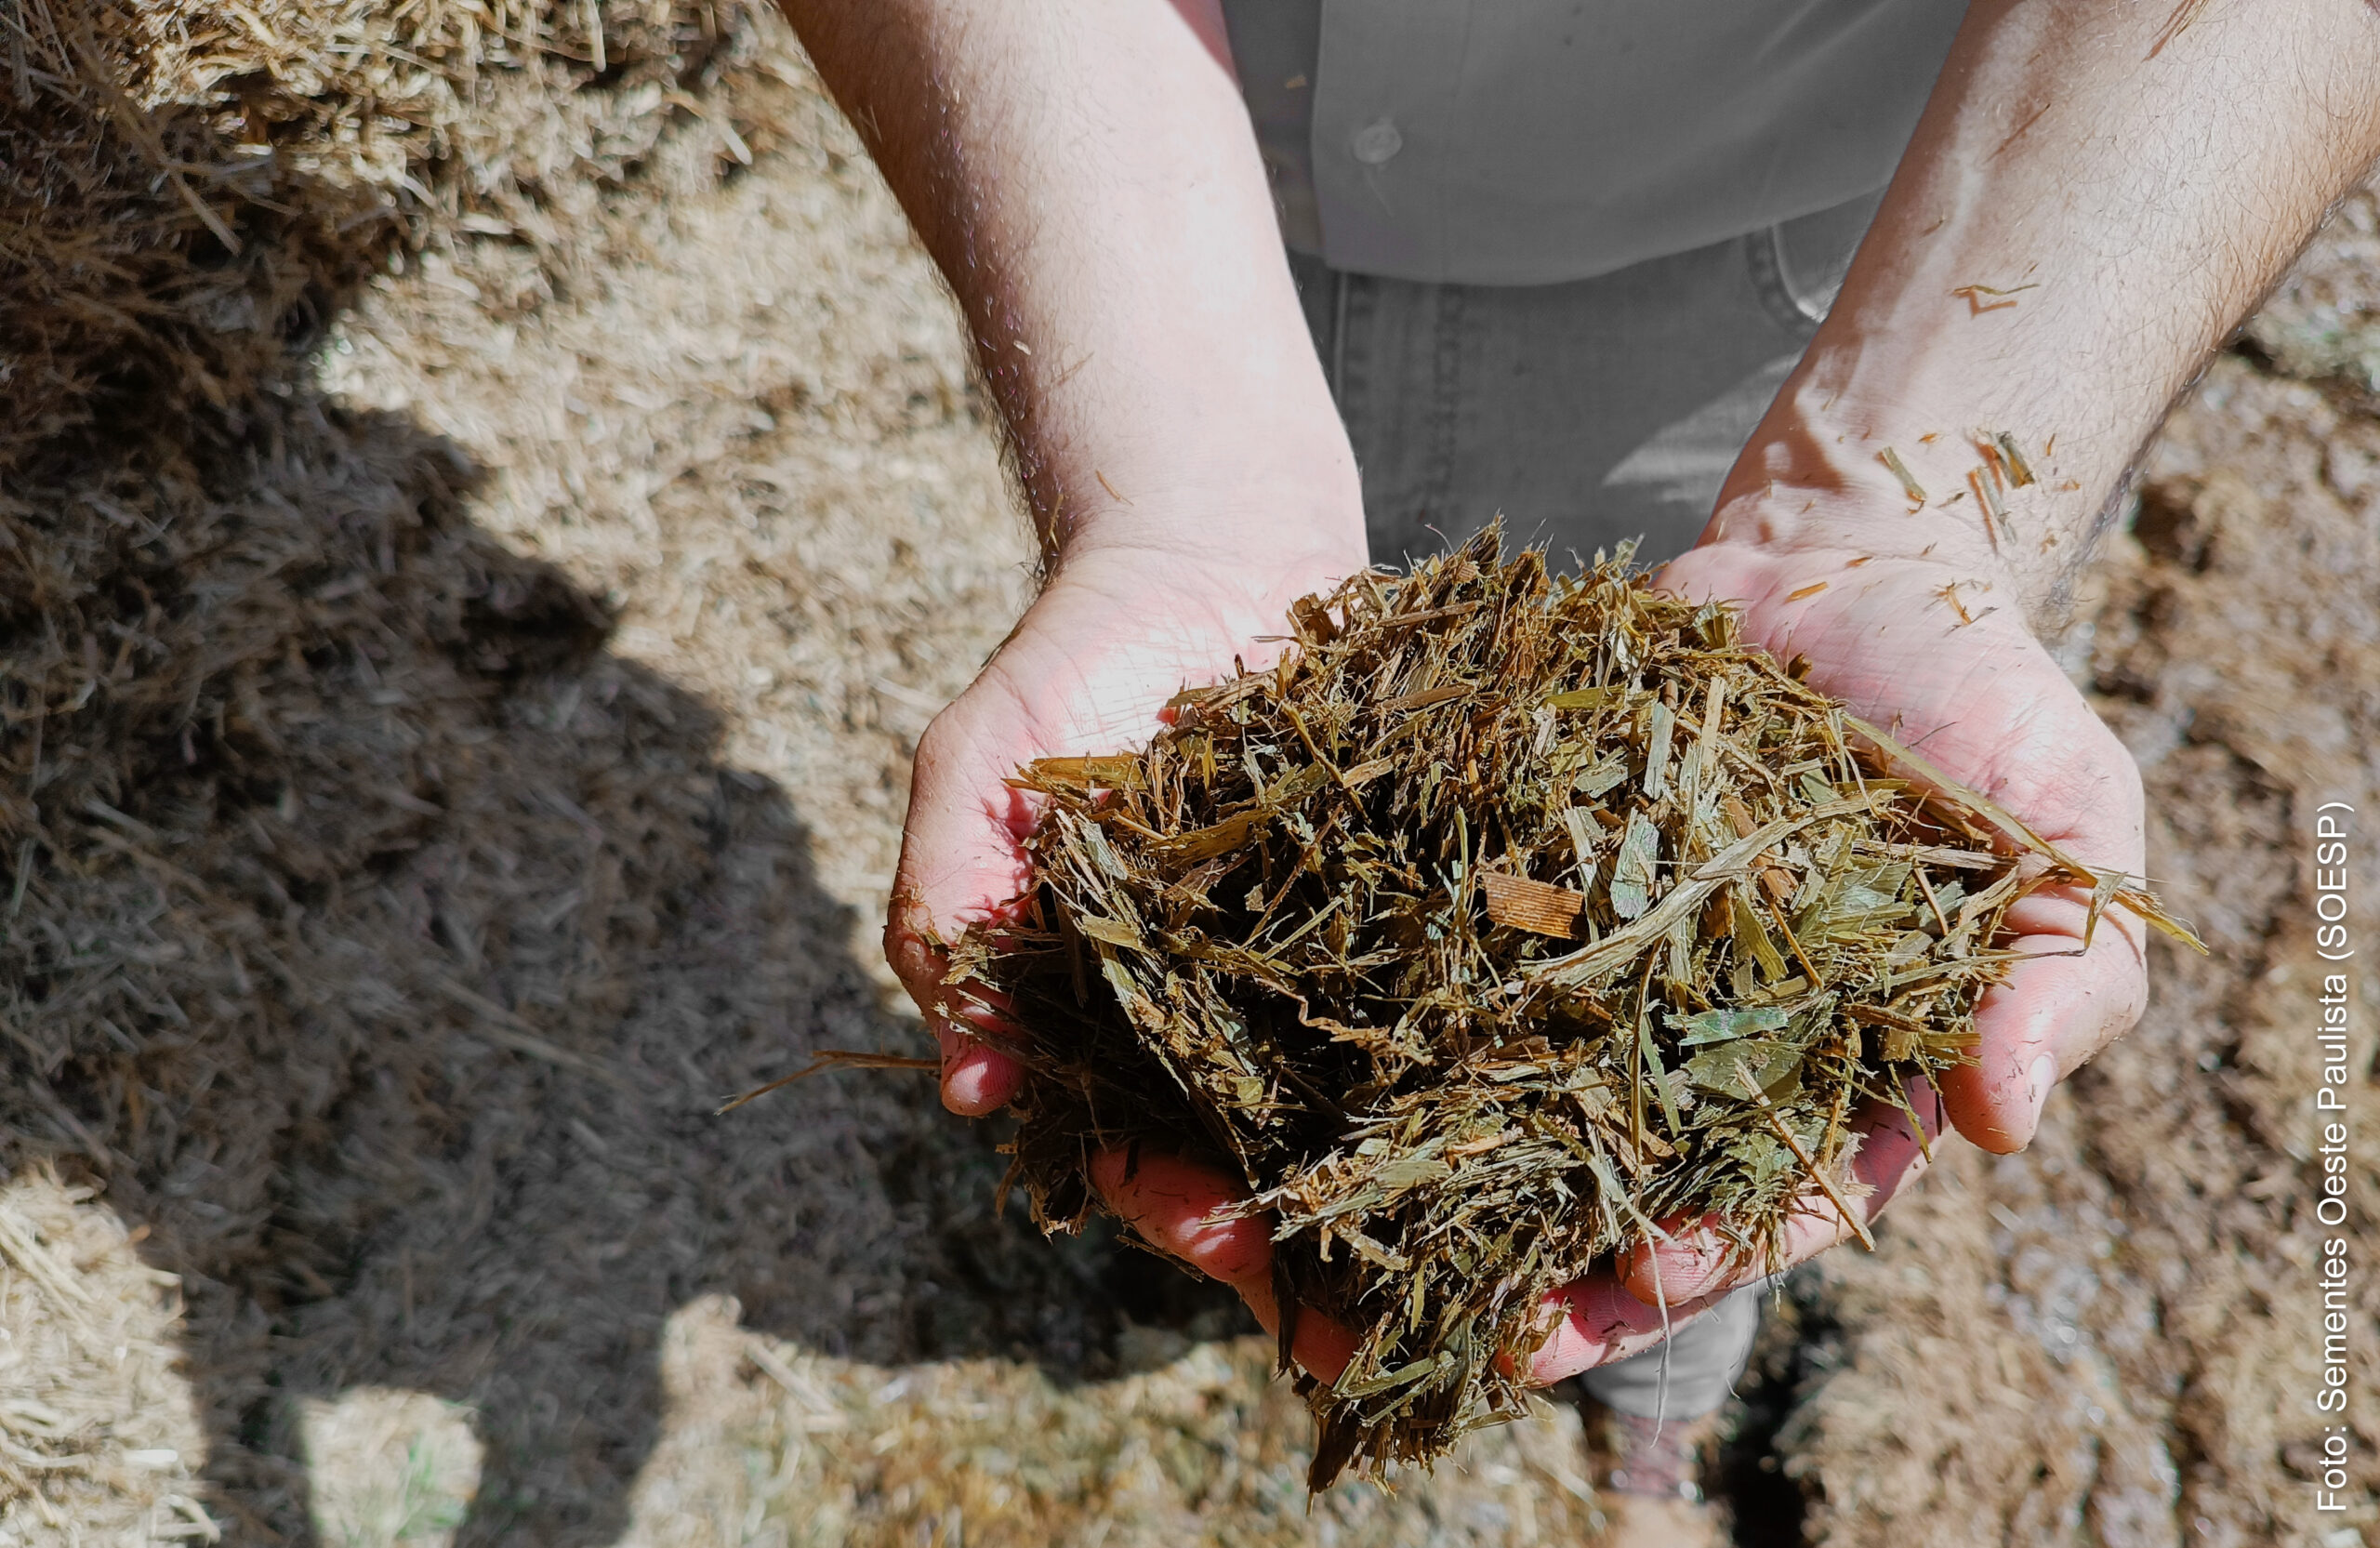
{"points": [[1086, 179], [1087, 671]]}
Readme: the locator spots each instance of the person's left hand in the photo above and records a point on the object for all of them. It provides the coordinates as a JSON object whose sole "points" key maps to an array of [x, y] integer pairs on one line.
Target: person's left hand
{"points": [[1938, 654]]}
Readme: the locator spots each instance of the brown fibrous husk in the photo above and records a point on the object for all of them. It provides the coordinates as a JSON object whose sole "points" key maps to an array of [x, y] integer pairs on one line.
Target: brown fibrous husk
{"points": [[1508, 917]]}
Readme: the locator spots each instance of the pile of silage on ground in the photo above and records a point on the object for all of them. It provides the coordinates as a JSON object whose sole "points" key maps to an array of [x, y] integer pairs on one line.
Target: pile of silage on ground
{"points": [[163, 625], [1509, 916], [185, 189], [253, 653]]}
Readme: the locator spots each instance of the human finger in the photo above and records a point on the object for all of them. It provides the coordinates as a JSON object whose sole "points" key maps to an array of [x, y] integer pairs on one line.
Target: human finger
{"points": [[2048, 1019], [962, 861], [1598, 1321], [1190, 1212], [976, 1078], [1700, 1261]]}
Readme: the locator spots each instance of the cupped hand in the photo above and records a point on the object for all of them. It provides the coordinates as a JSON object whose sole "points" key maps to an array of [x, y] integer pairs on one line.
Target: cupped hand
{"points": [[1938, 655], [1088, 671]]}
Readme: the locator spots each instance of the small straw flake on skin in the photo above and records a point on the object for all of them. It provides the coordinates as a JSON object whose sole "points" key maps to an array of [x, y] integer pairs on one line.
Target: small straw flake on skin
{"points": [[1986, 446], [1909, 484], [2002, 299], [2020, 472], [1985, 483]]}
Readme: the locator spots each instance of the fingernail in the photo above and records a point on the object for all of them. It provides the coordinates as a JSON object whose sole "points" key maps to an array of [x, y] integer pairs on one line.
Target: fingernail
{"points": [[2043, 1076]]}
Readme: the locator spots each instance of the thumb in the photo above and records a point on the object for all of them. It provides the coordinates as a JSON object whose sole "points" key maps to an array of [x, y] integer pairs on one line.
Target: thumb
{"points": [[962, 863], [2051, 1016]]}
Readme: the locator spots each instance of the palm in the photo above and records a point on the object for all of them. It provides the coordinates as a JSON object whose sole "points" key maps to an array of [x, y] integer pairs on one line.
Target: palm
{"points": [[1958, 671], [1953, 664], [1939, 660], [1089, 670]]}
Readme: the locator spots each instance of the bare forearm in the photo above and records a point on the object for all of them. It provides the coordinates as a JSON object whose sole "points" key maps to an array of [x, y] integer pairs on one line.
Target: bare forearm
{"points": [[2094, 199], [1086, 178]]}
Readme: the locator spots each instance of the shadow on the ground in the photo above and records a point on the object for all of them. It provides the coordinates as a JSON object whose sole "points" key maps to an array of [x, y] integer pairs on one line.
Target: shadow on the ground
{"points": [[386, 945], [1799, 1342]]}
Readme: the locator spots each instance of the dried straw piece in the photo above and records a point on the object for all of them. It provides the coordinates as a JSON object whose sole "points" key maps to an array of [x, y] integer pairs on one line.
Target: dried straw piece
{"points": [[1621, 923], [1909, 484], [186, 188]]}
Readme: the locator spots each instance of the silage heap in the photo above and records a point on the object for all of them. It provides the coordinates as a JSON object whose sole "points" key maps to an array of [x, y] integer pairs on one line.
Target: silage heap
{"points": [[1507, 917], [189, 190]]}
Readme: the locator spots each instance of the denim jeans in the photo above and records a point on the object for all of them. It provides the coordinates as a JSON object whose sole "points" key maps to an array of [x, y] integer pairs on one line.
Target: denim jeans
{"points": [[1584, 413]]}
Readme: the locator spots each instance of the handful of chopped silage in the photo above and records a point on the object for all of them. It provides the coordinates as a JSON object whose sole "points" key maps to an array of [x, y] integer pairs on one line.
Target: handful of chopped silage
{"points": [[1506, 917]]}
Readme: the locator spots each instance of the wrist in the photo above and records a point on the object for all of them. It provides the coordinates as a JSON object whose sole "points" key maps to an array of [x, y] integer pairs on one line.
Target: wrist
{"points": [[1266, 509], [1246, 567], [1829, 480]]}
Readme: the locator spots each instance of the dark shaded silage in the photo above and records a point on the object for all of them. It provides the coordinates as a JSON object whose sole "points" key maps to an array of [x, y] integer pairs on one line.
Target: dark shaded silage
{"points": [[1509, 915]]}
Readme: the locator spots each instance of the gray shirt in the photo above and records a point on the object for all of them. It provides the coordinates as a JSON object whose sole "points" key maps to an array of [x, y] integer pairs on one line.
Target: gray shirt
{"points": [[1537, 142]]}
